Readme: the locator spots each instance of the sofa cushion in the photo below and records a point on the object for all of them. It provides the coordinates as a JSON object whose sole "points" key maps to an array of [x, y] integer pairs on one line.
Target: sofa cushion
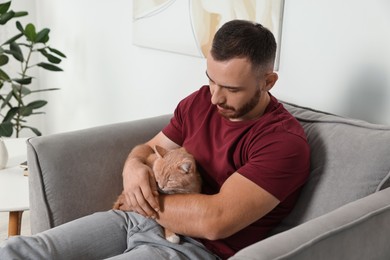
{"points": [[358, 230], [348, 161]]}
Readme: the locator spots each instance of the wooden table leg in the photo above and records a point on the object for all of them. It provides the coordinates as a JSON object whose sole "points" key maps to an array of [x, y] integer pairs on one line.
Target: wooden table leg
{"points": [[14, 223]]}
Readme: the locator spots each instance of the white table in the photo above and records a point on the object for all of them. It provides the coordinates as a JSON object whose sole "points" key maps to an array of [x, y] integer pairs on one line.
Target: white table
{"points": [[14, 185]]}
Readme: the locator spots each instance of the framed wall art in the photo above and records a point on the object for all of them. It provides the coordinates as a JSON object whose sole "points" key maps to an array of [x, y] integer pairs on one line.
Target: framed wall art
{"points": [[188, 26]]}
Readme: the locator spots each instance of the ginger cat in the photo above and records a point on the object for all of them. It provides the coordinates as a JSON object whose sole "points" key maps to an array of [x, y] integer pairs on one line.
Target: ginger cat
{"points": [[175, 172]]}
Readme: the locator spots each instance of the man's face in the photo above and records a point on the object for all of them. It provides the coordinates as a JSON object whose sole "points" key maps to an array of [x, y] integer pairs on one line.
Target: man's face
{"points": [[235, 88]]}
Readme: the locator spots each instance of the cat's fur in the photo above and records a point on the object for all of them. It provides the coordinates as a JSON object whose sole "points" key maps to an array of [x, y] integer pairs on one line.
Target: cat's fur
{"points": [[175, 172]]}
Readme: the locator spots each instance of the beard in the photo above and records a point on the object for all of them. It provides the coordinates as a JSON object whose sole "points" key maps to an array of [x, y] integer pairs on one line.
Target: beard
{"points": [[234, 113]]}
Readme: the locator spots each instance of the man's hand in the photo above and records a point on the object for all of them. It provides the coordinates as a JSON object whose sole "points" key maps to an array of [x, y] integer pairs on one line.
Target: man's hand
{"points": [[140, 188]]}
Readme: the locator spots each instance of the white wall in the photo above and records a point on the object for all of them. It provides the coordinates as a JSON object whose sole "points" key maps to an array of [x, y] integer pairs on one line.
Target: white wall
{"points": [[106, 79], [335, 56]]}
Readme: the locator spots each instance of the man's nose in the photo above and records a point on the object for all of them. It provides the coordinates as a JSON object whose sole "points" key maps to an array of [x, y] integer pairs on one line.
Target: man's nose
{"points": [[217, 96]]}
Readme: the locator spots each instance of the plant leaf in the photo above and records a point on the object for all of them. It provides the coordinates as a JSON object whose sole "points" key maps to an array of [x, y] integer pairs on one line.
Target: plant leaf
{"points": [[13, 38], [57, 52], [46, 89], [43, 51], [15, 94], [25, 91], [16, 51], [25, 81], [25, 111], [53, 59], [49, 66], [4, 18], [50, 58], [37, 104], [4, 7], [35, 130], [3, 59], [39, 113], [20, 14], [6, 100], [16, 88], [30, 32], [43, 36], [10, 52], [4, 76], [10, 114], [6, 129], [20, 27]]}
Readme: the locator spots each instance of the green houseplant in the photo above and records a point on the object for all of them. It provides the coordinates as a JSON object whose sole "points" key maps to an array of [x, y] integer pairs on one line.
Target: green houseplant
{"points": [[16, 93]]}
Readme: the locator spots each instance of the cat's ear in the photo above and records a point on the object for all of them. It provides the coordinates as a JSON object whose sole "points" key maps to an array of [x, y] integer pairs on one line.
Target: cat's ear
{"points": [[186, 167], [160, 151]]}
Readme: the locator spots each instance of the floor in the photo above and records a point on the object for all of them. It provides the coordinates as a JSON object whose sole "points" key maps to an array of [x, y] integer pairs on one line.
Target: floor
{"points": [[4, 225]]}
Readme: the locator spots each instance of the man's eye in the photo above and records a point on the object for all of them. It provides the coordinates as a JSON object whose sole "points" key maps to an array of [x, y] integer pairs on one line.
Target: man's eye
{"points": [[232, 90]]}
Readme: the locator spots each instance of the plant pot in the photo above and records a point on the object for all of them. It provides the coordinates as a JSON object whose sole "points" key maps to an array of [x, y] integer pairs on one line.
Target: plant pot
{"points": [[3, 154]]}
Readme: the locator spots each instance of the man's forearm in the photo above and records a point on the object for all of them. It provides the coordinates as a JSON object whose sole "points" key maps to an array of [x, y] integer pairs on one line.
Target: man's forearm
{"points": [[239, 203], [141, 153], [194, 215]]}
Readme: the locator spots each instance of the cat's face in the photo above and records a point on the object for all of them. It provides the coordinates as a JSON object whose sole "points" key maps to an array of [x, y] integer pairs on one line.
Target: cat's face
{"points": [[175, 171]]}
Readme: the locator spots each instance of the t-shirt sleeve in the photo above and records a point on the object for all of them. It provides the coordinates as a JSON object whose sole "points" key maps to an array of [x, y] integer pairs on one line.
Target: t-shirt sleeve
{"points": [[175, 130], [279, 164]]}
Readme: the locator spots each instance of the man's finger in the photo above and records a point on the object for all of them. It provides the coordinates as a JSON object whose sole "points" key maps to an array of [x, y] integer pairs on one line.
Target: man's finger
{"points": [[144, 205], [151, 194]]}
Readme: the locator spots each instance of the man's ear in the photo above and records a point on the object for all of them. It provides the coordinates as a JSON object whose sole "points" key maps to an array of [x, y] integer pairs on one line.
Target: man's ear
{"points": [[270, 80]]}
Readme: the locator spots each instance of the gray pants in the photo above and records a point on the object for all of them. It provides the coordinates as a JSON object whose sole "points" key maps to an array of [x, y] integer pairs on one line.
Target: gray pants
{"points": [[112, 234]]}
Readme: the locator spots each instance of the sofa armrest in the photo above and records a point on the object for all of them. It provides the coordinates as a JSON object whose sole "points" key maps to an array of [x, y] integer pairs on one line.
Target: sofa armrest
{"points": [[77, 173], [358, 230]]}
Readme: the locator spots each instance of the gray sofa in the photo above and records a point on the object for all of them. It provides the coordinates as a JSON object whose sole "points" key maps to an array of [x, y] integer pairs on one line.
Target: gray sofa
{"points": [[343, 211]]}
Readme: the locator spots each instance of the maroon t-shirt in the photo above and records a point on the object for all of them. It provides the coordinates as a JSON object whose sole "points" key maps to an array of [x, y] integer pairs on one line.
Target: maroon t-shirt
{"points": [[271, 151]]}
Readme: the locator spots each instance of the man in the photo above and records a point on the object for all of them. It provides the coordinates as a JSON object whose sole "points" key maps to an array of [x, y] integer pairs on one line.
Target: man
{"points": [[252, 154]]}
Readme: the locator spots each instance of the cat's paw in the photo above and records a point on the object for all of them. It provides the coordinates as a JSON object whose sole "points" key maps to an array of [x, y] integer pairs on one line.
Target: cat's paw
{"points": [[173, 239]]}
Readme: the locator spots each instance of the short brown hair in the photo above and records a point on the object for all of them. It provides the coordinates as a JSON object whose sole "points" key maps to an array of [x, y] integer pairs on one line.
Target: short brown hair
{"points": [[244, 39]]}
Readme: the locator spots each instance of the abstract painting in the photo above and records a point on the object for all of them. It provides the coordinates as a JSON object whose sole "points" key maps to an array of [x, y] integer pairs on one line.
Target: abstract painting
{"points": [[188, 26]]}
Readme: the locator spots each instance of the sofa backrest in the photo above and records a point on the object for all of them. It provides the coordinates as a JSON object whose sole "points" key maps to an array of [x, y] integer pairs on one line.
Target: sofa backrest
{"points": [[350, 159]]}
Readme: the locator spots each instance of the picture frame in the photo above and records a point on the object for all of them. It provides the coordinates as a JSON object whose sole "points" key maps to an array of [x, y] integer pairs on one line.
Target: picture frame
{"points": [[188, 26]]}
